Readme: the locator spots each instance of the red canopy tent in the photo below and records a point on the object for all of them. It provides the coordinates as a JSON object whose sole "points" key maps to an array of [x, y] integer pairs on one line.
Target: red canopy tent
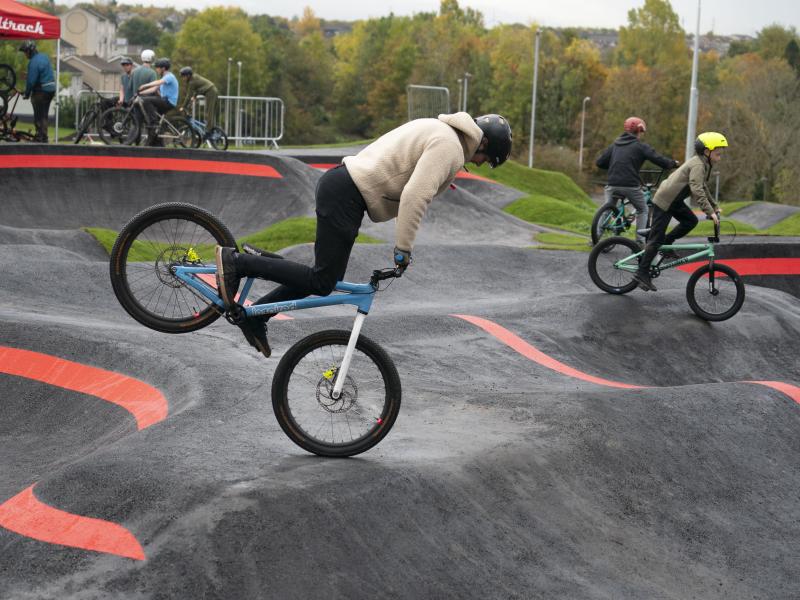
{"points": [[21, 22]]}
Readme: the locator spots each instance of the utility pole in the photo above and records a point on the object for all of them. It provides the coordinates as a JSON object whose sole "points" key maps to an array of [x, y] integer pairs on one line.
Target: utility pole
{"points": [[228, 97], [583, 119], [691, 126], [533, 96], [466, 86], [238, 109]]}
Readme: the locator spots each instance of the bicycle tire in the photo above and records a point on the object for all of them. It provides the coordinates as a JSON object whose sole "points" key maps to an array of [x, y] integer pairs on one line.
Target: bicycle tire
{"points": [[606, 254], [314, 404], [168, 234], [692, 295], [218, 139], [3, 105], [86, 122], [119, 126], [8, 78], [187, 136]]}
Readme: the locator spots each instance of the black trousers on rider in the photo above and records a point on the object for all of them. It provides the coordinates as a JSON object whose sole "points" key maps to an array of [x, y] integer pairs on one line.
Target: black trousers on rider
{"points": [[41, 107], [340, 210], [657, 236]]}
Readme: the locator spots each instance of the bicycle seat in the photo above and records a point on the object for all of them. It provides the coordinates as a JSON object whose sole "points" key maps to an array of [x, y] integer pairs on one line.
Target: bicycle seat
{"points": [[250, 249]]}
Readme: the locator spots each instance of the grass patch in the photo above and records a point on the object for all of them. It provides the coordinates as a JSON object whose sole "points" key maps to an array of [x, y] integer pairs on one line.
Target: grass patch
{"points": [[298, 230], [546, 210], [562, 241], [789, 226], [537, 181], [729, 208]]}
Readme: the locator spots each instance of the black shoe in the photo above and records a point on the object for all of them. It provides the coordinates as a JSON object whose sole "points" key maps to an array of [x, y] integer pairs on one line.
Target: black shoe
{"points": [[227, 278], [255, 332], [644, 282], [670, 255]]}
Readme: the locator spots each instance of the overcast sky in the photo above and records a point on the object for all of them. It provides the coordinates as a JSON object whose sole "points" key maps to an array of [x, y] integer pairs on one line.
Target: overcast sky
{"points": [[724, 16]]}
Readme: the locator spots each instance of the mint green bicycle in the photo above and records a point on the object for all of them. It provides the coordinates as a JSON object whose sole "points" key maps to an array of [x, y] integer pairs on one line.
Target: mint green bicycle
{"points": [[715, 292]]}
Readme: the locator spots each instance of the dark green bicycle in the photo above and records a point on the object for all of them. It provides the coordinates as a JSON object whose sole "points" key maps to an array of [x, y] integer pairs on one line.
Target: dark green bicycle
{"points": [[715, 292]]}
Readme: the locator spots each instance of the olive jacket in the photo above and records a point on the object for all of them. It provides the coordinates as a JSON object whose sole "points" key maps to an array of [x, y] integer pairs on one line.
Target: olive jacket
{"points": [[691, 178]]}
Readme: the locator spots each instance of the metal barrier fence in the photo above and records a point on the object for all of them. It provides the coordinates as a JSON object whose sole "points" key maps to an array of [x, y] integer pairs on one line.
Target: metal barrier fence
{"points": [[427, 101], [247, 120]]}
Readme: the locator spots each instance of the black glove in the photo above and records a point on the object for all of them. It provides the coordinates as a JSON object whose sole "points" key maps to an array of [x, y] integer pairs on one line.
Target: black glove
{"points": [[402, 258]]}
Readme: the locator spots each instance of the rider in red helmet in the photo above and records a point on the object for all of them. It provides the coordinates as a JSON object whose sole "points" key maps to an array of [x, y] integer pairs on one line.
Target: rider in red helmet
{"points": [[624, 159]]}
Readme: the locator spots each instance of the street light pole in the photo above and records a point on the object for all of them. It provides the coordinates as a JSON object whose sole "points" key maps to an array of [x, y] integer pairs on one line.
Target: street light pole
{"points": [[691, 126], [228, 97], [466, 86], [533, 96], [460, 93], [238, 101], [583, 120]]}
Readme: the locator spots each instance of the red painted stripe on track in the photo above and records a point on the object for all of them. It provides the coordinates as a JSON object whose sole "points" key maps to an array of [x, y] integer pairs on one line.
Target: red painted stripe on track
{"points": [[753, 266], [143, 401], [26, 515], [323, 166], [528, 351], [136, 163]]}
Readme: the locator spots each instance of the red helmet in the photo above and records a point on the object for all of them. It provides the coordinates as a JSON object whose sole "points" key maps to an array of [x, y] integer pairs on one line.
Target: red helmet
{"points": [[635, 125]]}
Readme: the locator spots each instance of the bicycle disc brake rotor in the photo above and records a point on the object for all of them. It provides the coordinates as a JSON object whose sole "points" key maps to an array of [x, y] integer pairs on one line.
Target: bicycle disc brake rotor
{"points": [[173, 256], [325, 398]]}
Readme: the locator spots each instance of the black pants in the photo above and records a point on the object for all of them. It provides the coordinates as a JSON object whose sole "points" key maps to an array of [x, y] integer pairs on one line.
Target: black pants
{"points": [[661, 218], [41, 107], [340, 210], [154, 106]]}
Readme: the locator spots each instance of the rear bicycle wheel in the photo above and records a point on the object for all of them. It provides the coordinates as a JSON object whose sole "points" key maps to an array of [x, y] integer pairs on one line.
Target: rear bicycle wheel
{"points": [[715, 294], [179, 133], [218, 138], [314, 420], [602, 265], [147, 247], [606, 223], [85, 124]]}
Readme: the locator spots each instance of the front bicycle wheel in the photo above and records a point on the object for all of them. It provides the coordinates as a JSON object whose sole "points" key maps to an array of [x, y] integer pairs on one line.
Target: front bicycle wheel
{"points": [[86, 122], [304, 405], [7, 79], [715, 294], [603, 267], [142, 258], [118, 126], [218, 139]]}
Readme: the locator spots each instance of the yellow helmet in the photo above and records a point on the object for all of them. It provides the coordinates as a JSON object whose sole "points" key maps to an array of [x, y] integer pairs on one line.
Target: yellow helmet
{"points": [[710, 140]]}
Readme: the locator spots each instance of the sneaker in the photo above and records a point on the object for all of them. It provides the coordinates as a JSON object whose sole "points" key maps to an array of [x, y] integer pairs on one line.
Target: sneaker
{"points": [[670, 255], [227, 278], [644, 282], [255, 332]]}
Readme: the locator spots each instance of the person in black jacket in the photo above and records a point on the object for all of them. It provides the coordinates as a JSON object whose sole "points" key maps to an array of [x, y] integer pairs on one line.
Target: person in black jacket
{"points": [[624, 159]]}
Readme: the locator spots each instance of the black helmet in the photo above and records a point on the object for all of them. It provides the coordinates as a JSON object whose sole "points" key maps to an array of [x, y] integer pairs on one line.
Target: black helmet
{"points": [[186, 71], [125, 61], [28, 46], [162, 63], [497, 130]]}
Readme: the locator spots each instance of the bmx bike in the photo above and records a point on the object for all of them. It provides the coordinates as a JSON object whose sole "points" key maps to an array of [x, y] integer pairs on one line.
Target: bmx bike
{"points": [[617, 216], [715, 292], [8, 121], [128, 124], [214, 137], [334, 393]]}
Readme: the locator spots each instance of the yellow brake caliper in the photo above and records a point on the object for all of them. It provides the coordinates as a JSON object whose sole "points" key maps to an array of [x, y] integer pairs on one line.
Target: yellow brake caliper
{"points": [[192, 256]]}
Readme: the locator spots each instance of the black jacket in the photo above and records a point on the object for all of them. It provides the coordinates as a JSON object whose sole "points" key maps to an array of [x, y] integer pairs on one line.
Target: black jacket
{"points": [[624, 159]]}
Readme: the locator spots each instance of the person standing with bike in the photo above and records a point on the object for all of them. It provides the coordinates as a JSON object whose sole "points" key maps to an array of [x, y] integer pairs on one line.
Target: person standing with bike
{"points": [[669, 202], [126, 81], [40, 87], [159, 96], [397, 175], [624, 159], [200, 86]]}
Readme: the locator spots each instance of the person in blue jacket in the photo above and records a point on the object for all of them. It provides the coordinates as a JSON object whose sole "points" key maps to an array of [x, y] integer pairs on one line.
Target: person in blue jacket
{"points": [[40, 87]]}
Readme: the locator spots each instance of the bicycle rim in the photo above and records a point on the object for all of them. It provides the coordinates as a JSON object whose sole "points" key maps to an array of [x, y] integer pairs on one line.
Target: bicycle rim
{"points": [[717, 298]]}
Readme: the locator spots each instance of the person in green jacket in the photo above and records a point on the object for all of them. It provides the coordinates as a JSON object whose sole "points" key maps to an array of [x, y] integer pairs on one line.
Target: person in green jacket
{"points": [[200, 86], [669, 202]]}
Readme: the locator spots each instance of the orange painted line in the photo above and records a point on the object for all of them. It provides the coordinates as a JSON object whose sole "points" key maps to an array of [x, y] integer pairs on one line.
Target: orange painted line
{"points": [[528, 351], [323, 166], [212, 281], [468, 175], [753, 266], [143, 401], [26, 515], [136, 163]]}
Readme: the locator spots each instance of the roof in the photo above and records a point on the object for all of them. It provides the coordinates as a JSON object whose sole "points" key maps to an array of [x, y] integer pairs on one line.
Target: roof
{"points": [[94, 62]]}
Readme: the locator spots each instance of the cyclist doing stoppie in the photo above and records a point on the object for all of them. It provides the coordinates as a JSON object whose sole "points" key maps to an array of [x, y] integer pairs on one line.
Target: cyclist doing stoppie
{"points": [[669, 202], [624, 159], [397, 175]]}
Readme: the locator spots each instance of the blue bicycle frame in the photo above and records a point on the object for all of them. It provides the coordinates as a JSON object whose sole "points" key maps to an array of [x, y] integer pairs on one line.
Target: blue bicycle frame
{"points": [[358, 294]]}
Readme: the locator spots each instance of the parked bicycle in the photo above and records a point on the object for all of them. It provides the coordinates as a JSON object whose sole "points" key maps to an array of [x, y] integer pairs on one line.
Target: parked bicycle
{"points": [[8, 121], [617, 216], [334, 393], [216, 137], [91, 121], [715, 292], [8, 80], [128, 124]]}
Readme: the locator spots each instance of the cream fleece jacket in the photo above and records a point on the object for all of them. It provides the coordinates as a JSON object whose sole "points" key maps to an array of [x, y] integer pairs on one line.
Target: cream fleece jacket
{"points": [[399, 173]]}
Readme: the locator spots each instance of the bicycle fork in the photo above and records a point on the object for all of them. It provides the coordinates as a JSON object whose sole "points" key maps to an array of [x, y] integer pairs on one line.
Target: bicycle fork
{"points": [[348, 355]]}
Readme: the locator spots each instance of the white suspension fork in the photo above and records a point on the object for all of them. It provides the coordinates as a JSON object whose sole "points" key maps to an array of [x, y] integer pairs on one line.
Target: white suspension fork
{"points": [[348, 355]]}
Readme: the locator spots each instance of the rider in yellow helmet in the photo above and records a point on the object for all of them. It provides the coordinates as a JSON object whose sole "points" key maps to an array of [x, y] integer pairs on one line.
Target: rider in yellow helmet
{"points": [[669, 202]]}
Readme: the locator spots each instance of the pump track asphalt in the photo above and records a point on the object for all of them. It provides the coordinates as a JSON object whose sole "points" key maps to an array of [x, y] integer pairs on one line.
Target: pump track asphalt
{"points": [[553, 441]]}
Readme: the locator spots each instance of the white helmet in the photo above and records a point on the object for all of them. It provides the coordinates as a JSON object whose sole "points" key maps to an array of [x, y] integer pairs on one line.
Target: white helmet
{"points": [[148, 56]]}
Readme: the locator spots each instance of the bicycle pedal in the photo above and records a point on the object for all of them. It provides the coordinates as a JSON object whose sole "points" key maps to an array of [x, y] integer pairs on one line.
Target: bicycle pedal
{"points": [[235, 315]]}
